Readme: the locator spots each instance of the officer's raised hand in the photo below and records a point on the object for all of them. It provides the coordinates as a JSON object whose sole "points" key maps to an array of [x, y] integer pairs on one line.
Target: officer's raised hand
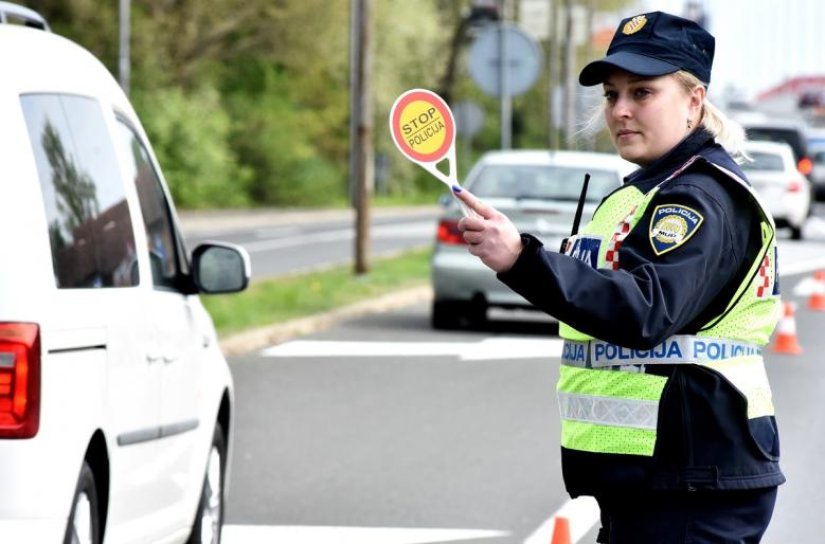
{"points": [[490, 234]]}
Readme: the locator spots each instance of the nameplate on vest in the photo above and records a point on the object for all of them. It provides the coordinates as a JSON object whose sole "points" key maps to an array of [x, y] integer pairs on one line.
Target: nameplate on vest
{"points": [[605, 354], [678, 349]]}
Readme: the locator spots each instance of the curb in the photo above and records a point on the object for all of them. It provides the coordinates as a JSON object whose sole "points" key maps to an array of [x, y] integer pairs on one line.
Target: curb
{"points": [[255, 339]]}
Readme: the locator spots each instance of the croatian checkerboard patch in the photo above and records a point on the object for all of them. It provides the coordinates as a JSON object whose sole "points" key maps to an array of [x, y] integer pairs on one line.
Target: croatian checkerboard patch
{"points": [[671, 225]]}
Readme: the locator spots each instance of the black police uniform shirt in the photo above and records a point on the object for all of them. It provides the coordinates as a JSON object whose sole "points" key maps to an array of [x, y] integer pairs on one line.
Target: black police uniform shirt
{"points": [[704, 438]]}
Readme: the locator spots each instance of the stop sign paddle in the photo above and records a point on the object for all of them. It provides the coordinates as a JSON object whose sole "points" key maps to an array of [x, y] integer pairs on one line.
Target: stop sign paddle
{"points": [[423, 129]]}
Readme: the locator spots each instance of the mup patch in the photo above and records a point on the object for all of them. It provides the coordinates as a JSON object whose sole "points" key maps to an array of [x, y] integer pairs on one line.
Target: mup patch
{"points": [[671, 225]]}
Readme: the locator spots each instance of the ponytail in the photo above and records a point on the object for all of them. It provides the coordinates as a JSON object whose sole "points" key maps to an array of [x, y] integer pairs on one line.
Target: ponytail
{"points": [[727, 132]]}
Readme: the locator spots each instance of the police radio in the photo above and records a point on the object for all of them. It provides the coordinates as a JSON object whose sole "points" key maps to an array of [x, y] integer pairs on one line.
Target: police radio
{"points": [[578, 217]]}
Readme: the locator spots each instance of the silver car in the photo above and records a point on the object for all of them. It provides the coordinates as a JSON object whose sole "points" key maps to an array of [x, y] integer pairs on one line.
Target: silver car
{"points": [[539, 192]]}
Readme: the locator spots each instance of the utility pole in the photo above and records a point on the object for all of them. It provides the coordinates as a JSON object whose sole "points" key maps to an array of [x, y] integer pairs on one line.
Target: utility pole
{"points": [[361, 151], [591, 11], [552, 76], [506, 102], [125, 31], [569, 83]]}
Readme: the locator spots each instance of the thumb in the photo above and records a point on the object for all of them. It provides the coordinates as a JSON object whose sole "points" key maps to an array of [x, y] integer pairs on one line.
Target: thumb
{"points": [[473, 202]]}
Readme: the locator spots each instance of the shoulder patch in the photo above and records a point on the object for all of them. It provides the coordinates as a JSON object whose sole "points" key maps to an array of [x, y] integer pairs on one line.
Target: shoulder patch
{"points": [[671, 225]]}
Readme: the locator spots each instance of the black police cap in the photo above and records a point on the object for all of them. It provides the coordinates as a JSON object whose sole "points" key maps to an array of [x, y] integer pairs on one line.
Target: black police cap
{"points": [[655, 44]]}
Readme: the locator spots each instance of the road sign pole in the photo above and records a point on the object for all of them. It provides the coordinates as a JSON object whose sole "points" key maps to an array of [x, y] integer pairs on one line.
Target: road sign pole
{"points": [[506, 100], [504, 62]]}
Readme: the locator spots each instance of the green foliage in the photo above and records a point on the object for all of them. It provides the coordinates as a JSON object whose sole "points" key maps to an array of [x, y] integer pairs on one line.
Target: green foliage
{"points": [[410, 46], [281, 140], [280, 299], [247, 103], [190, 135]]}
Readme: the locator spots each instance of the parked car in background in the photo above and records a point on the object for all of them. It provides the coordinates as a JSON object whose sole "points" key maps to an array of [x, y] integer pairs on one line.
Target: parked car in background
{"points": [[790, 132], [775, 177], [116, 402], [816, 145], [818, 172], [539, 192]]}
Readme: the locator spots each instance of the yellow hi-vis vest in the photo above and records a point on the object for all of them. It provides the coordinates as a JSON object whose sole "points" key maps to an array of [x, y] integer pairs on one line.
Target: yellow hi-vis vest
{"points": [[606, 402]]}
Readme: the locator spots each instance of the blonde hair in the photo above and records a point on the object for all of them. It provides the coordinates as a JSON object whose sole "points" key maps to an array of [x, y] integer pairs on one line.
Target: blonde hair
{"points": [[727, 132]]}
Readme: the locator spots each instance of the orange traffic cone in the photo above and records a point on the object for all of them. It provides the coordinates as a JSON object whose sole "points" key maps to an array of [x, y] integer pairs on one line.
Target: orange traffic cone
{"points": [[561, 531], [786, 341], [817, 299]]}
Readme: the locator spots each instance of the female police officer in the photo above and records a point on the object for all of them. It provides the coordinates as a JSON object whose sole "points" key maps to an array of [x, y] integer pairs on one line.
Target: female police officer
{"points": [[665, 300]]}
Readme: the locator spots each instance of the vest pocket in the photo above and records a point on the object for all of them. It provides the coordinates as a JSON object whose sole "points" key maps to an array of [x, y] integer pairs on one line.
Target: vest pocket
{"points": [[765, 436], [759, 429]]}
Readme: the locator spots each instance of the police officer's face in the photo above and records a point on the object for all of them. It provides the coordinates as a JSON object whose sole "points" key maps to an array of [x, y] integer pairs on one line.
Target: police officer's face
{"points": [[648, 117]]}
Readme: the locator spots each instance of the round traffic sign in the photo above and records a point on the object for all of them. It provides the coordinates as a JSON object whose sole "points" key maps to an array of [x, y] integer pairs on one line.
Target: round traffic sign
{"points": [[522, 60]]}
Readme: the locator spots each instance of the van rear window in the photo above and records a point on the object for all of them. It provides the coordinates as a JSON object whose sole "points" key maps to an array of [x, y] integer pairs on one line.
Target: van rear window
{"points": [[90, 227]]}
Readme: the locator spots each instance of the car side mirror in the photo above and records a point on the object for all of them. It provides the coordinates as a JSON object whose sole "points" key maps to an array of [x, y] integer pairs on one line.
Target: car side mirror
{"points": [[218, 267]]}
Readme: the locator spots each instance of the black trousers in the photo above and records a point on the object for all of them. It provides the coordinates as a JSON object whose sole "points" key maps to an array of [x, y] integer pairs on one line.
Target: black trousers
{"points": [[686, 517]]}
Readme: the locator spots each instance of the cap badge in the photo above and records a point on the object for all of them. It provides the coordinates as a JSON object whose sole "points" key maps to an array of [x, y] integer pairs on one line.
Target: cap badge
{"points": [[634, 25]]}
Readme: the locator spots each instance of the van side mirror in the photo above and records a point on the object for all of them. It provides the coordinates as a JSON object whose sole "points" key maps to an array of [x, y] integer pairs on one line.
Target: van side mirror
{"points": [[218, 267]]}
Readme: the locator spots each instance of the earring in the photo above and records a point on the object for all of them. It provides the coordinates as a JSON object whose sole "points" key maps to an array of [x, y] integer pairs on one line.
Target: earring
{"points": [[690, 124]]}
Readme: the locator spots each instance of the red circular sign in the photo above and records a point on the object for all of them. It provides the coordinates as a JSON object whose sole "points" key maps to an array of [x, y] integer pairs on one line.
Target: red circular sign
{"points": [[422, 126]]}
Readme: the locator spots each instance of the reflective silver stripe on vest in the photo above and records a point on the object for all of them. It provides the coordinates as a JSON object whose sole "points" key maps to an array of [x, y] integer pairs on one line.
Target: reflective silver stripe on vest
{"points": [[640, 414], [679, 349]]}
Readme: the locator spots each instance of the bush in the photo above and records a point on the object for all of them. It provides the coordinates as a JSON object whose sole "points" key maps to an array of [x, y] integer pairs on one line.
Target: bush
{"points": [[273, 135], [190, 134]]}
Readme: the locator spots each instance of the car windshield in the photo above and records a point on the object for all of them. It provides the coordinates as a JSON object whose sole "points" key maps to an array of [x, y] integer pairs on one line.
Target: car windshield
{"points": [[543, 182], [787, 136], [764, 161]]}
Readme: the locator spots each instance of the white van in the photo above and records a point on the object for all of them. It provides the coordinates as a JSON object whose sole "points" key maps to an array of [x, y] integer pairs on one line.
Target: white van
{"points": [[115, 400]]}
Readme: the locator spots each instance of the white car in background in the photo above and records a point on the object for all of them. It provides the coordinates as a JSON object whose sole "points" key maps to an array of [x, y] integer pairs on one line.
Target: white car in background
{"points": [[116, 403], [774, 175], [539, 191]]}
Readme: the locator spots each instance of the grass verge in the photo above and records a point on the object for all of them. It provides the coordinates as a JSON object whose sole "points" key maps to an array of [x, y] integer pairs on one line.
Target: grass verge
{"points": [[277, 300]]}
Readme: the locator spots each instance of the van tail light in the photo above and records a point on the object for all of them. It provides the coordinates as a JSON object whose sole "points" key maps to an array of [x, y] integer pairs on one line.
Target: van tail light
{"points": [[805, 166], [19, 380], [448, 232], [794, 186]]}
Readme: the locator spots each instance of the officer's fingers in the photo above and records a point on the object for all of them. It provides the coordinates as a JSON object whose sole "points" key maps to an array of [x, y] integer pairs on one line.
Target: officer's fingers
{"points": [[471, 223], [482, 209], [473, 237]]}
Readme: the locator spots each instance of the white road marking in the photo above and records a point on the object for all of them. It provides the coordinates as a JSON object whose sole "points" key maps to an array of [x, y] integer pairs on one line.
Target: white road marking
{"points": [[805, 287], [284, 534], [406, 230], [487, 349], [276, 232], [800, 267]]}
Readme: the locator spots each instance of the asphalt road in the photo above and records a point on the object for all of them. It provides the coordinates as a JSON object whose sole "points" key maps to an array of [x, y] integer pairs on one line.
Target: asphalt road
{"points": [[283, 242], [453, 436]]}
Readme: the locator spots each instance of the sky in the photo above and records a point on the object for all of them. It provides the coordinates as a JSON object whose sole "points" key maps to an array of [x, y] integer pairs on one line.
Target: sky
{"points": [[759, 43]]}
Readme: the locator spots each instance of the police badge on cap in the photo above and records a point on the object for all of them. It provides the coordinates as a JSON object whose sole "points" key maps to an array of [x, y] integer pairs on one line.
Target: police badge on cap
{"points": [[655, 44]]}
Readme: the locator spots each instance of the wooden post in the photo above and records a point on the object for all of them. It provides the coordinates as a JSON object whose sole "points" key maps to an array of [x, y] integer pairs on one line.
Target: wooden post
{"points": [[361, 149]]}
